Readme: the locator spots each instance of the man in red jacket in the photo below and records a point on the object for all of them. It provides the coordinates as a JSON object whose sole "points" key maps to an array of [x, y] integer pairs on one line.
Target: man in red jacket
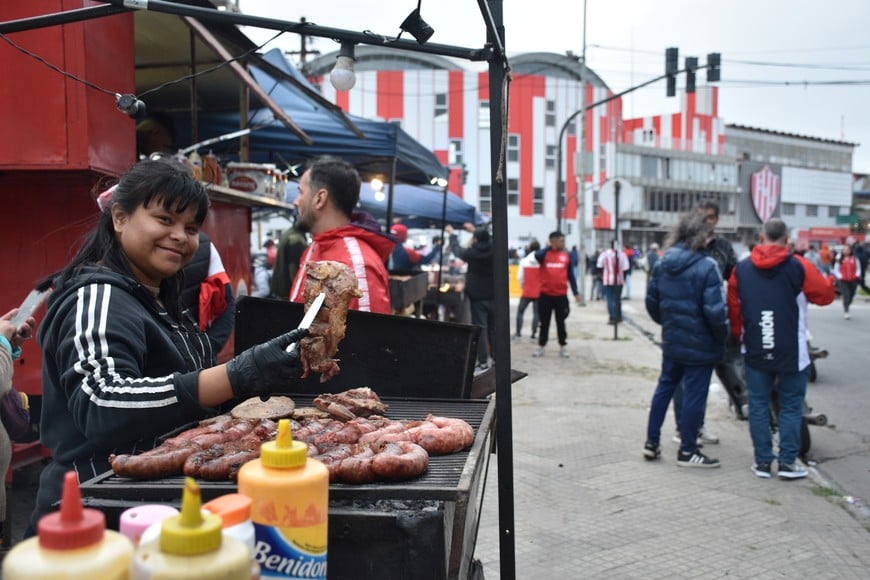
{"points": [[556, 274], [328, 193]]}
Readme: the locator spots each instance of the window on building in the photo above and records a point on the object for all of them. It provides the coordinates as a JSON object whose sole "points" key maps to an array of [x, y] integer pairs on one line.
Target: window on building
{"points": [[512, 188], [483, 115], [833, 211], [550, 117], [454, 153], [440, 104], [649, 166], [513, 191], [550, 160], [812, 210], [485, 199], [538, 201], [513, 147], [788, 209]]}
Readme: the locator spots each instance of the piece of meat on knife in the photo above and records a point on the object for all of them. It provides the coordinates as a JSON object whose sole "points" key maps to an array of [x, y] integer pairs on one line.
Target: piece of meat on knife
{"points": [[340, 285]]}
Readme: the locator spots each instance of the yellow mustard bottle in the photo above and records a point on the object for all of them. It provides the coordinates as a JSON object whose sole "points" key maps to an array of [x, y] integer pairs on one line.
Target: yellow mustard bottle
{"points": [[72, 543], [290, 495], [192, 547]]}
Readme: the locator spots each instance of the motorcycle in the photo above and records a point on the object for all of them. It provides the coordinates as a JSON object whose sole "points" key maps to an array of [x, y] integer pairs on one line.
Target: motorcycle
{"points": [[731, 374]]}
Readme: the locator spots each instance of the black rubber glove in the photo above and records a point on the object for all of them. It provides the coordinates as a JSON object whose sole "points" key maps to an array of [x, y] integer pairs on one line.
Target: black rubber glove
{"points": [[266, 367]]}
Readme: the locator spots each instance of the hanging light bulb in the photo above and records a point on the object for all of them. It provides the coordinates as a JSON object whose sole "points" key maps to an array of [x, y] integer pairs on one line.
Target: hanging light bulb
{"points": [[342, 76], [377, 184]]}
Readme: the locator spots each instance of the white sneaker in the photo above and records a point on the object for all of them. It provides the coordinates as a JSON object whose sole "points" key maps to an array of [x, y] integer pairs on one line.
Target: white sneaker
{"points": [[705, 436], [563, 352], [539, 352], [846, 316], [677, 439]]}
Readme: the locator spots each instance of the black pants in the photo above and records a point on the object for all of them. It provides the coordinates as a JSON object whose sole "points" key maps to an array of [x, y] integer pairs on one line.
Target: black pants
{"points": [[482, 315], [546, 306], [848, 289]]}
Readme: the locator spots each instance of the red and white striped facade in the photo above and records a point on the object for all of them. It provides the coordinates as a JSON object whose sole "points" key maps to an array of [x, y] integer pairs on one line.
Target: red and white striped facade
{"points": [[696, 129], [409, 97]]}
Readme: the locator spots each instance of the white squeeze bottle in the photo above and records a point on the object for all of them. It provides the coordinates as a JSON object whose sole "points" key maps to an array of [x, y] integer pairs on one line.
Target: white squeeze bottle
{"points": [[290, 495], [191, 546], [72, 543]]}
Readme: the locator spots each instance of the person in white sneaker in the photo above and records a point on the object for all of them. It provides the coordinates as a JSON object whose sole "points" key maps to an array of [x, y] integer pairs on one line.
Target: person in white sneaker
{"points": [[685, 295], [768, 293]]}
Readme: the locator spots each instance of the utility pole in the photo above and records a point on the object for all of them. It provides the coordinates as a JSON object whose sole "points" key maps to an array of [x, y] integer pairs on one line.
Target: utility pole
{"points": [[303, 52]]}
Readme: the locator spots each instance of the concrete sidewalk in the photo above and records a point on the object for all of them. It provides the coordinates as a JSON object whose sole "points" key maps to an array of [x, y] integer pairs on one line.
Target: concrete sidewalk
{"points": [[588, 505]]}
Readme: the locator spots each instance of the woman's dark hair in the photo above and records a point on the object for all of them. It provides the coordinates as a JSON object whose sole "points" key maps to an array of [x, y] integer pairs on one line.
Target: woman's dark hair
{"points": [[692, 231], [162, 180]]}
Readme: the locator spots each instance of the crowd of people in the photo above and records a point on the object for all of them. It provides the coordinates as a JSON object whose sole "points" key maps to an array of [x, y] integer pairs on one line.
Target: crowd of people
{"points": [[762, 318], [137, 317]]}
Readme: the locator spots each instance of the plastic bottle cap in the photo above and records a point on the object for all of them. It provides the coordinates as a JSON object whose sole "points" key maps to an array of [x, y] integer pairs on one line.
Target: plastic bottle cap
{"points": [[283, 452], [73, 526], [190, 533], [233, 508], [136, 520]]}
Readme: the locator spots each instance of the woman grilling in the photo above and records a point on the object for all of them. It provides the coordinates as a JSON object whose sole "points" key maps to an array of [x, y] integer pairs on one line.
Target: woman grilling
{"points": [[122, 363]]}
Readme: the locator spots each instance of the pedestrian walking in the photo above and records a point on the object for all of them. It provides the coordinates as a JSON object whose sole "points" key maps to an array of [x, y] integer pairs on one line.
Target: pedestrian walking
{"points": [[556, 275], [685, 296], [862, 255], [613, 263], [478, 287], [528, 275], [767, 305], [848, 272]]}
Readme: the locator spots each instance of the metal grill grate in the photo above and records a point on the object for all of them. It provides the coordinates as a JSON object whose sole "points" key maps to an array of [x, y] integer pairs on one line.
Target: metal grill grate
{"points": [[447, 478]]}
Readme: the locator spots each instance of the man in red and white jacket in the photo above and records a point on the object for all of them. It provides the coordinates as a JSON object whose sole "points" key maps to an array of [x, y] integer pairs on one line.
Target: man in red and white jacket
{"points": [[613, 263], [528, 275], [328, 193], [556, 273]]}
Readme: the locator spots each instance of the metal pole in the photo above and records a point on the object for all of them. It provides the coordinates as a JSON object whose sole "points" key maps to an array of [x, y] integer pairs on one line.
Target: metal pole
{"points": [[617, 296], [581, 191], [498, 103]]}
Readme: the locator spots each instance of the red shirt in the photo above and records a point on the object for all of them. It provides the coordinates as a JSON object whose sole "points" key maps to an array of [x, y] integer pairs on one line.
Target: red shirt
{"points": [[554, 273], [365, 252]]}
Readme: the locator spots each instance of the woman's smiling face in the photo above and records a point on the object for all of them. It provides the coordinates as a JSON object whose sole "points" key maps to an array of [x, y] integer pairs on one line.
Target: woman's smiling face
{"points": [[157, 242]]}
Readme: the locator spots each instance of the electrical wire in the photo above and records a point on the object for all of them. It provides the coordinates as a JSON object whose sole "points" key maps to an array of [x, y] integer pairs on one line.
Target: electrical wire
{"points": [[114, 94]]}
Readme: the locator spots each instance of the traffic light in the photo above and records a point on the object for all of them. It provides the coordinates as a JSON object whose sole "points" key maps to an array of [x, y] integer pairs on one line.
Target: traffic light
{"points": [[691, 65], [714, 67], [672, 57]]}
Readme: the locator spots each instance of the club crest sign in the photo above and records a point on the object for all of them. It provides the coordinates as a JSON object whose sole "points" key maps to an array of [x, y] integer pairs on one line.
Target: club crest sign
{"points": [[764, 188]]}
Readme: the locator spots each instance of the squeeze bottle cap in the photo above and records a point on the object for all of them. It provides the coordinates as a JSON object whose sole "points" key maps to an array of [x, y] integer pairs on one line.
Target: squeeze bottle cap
{"points": [[73, 526], [136, 520], [191, 532], [283, 452], [233, 508]]}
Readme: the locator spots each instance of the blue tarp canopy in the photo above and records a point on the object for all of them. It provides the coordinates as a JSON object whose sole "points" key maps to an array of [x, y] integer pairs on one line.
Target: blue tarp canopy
{"points": [[417, 206], [385, 146]]}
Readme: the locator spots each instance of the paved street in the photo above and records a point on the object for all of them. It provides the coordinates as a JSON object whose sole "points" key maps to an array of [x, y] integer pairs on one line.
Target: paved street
{"points": [[587, 504]]}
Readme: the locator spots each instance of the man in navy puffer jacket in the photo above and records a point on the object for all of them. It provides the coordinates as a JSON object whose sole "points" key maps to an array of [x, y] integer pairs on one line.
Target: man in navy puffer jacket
{"points": [[686, 296]]}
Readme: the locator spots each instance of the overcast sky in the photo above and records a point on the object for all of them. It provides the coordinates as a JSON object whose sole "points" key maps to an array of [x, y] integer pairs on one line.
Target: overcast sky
{"points": [[796, 66]]}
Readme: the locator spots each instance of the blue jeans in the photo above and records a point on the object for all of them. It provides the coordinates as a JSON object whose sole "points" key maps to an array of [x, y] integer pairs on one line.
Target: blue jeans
{"points": [[521, 310], [696, 386], [482, 312], [613, 295], [791, 389]]}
